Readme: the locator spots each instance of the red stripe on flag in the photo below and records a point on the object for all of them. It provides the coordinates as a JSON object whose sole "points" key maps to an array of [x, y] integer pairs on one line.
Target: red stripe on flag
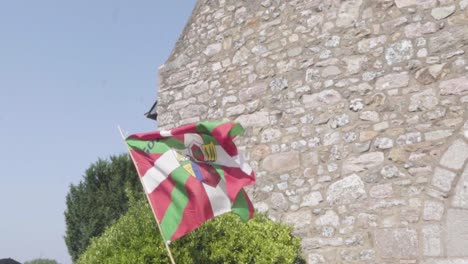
{"points": [[146, 136], [189, 128], [144, 161], [181, 138], [235, 180], [209, 174], [249, 204], [197, 211], [160, 198], [221, 134]]}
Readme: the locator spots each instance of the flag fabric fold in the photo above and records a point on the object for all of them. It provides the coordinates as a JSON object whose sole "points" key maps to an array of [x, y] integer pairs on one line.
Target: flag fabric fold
{"points": [[192, 173]]}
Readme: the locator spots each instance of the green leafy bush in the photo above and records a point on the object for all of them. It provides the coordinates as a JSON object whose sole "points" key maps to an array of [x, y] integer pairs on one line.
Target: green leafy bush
{"points": [[99, 200], [134, 238]]}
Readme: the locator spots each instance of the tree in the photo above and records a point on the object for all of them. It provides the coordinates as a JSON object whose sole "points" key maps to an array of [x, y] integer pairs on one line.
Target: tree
{"points": [[41, 261], [134, 238], [8, 261], [99, 200]]}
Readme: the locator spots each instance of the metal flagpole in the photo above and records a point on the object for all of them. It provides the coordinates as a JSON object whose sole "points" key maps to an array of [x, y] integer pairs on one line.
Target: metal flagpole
{"points": [[166, 243]]}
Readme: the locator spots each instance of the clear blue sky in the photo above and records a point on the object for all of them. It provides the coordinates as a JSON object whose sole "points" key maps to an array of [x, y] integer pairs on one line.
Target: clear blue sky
{"points": [[70, 72]]}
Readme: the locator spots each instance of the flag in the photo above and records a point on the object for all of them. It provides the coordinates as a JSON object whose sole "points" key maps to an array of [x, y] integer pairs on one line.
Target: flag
{"points": [[192, 174]]}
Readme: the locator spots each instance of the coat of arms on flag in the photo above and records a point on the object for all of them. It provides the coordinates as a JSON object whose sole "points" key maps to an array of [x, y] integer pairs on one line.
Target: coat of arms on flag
{"points": [[192, 174]]}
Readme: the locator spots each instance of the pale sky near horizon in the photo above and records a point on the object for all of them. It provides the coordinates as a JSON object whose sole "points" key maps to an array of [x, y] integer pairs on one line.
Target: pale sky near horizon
{"points": [[70, 73]]}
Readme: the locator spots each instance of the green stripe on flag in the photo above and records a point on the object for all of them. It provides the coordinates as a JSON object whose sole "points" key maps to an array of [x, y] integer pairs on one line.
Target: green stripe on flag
{"points": [[179, 200], [160, 146], [236, 130], [207, 139], [147, 146], [173, 143], [241, 207], [208, 126], [219, 170]]}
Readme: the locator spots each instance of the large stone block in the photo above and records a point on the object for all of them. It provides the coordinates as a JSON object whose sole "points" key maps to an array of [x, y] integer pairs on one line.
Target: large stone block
{"points": [[430, 74], [255, 119], [235, 110], [438, 134], [409, 138], [330, 218], [418, 29], [213, 49], [348, 13], [456, 239], [452, 38], [396, 243], [399, 52], [330, 71], [455, 156], [393, 80], [442, 12], [279, 202], [324, 98], [354, 63], [433, 210], [425, 100], [443, 179], [348, 190], [299, 220], [311, 199], [431, 239], [463, 4], [455, 86], [363, 162], [282, 162], [253, 92], [369, 44]]}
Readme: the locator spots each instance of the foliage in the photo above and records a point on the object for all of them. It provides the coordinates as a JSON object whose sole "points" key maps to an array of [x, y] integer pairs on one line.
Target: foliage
{"points": [[41, 261], [8, 261], [99, 200], [134, 238]]}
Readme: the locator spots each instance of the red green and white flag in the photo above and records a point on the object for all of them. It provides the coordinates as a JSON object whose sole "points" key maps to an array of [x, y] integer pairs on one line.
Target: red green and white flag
{"points": [[192, 174]]}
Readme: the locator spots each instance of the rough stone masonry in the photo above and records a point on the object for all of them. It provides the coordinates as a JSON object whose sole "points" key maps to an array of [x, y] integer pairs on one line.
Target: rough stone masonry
{"points": [[355, 114]]}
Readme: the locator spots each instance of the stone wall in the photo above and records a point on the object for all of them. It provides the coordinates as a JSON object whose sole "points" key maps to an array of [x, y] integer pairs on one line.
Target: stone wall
{"points": [[355, 115]]}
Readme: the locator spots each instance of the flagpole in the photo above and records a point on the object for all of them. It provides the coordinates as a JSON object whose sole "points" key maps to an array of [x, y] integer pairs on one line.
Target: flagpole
{"points": [[166, 243]]}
